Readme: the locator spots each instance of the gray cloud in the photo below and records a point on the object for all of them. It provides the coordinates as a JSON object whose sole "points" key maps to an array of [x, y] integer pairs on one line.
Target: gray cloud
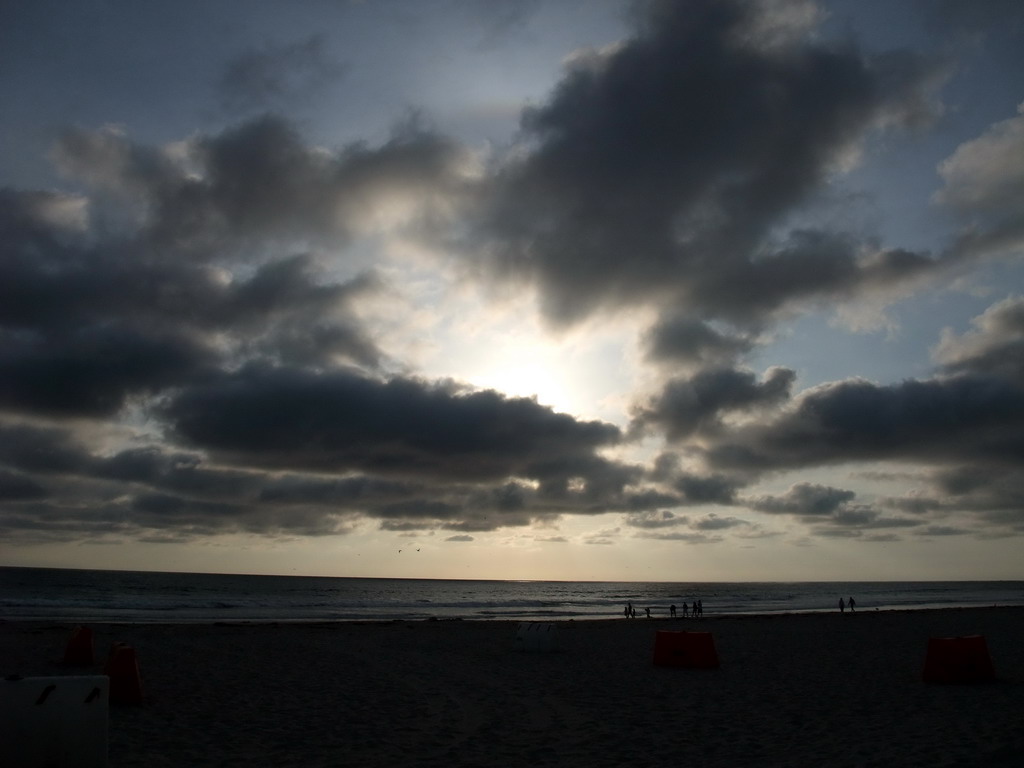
{"points": [[188, 290], [258, 186], [708, 489], [94, 370], [984, 184], [659, 171], [994, 348], [696, 405], [715, 523], [56, 487], [689, 340], [87, 327], [942, 530], [338, 421], [15, 486], [660, 519], [961, 429], [941, 420], [804, 499], [689, 538], [278, 76]]}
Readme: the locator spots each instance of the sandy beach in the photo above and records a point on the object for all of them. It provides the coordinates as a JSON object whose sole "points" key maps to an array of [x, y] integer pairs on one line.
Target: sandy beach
{"points": [[793, 690]]}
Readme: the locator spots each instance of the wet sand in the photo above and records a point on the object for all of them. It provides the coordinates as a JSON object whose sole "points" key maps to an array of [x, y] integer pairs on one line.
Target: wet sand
{"points": [[792, 690]]}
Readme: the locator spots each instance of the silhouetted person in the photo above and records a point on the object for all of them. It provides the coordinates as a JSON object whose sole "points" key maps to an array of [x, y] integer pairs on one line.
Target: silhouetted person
{"points": [[648, 610], [672, 610], [852, 605], [686, 609], [842, 606], [700, 608], [628, 610]]}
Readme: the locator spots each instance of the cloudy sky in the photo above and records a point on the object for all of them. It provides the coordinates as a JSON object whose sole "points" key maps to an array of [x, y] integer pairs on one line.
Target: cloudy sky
{"points": [[550, 289]]}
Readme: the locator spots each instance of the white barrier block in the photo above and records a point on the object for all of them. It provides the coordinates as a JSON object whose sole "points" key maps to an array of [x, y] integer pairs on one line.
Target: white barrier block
{"points": [[537, 637], [54, 722]]}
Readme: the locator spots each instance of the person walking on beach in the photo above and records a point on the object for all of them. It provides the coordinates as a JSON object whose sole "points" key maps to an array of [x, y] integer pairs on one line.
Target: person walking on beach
{"points": [[700, 608], [842, 606], [628, 610], [648, 612], [686, 609], [852, 604], [672, 610]]}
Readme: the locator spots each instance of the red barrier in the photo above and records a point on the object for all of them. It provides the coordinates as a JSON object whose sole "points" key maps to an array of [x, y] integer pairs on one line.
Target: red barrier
{"points": [[79, 650], [958, 660], [123, 670], [694, 650]]}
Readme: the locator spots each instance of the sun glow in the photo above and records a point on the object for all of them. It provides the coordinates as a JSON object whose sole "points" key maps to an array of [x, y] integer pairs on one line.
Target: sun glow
{"points": [[522, 374]]}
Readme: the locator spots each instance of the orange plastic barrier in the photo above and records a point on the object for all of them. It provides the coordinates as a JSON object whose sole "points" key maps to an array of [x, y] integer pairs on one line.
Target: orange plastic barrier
{"points": [[79, 650], [123, 670], [958, 660], [695, 650]]}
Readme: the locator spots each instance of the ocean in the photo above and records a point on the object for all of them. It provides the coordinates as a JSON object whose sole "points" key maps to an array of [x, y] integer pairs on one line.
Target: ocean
{"points": [[134, 596]]}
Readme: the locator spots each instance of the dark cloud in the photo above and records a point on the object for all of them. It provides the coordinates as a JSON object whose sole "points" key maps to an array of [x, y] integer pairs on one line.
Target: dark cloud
{"points": [[660, 170], [278, 75], [344, 493], [716, 523], [942, 530], [286, 313], [689, 538], [972, 414], [15, 486], [708, 489], [961, 429], [804, 499], [939, 420], [259, 186], [990, 491], [660, 519], [86, 327], [92, 371], [695, 405], [829, 511], [694, 530], [995, 348], [43, 450], [338, 421], [865, 518], [57, 487], [211, 288], [689, 340]]}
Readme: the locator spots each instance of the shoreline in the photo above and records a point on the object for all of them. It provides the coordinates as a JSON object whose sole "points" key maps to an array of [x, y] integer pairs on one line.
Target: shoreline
{"points": [[72, 621], [795, 689]]}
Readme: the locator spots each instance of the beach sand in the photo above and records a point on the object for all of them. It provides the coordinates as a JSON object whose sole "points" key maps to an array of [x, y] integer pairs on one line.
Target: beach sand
{"points": [[792, 690]]}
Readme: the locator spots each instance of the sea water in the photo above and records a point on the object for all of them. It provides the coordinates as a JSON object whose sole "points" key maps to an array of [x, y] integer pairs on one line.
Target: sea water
{"points": [[135, 596]]}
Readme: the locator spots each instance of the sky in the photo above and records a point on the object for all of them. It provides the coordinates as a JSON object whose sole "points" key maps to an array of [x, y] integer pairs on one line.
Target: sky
{"points": [[540, 289]]}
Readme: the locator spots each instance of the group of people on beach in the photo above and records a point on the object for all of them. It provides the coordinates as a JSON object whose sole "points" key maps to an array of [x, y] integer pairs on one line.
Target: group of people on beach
{"points": [[696, 610]]}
